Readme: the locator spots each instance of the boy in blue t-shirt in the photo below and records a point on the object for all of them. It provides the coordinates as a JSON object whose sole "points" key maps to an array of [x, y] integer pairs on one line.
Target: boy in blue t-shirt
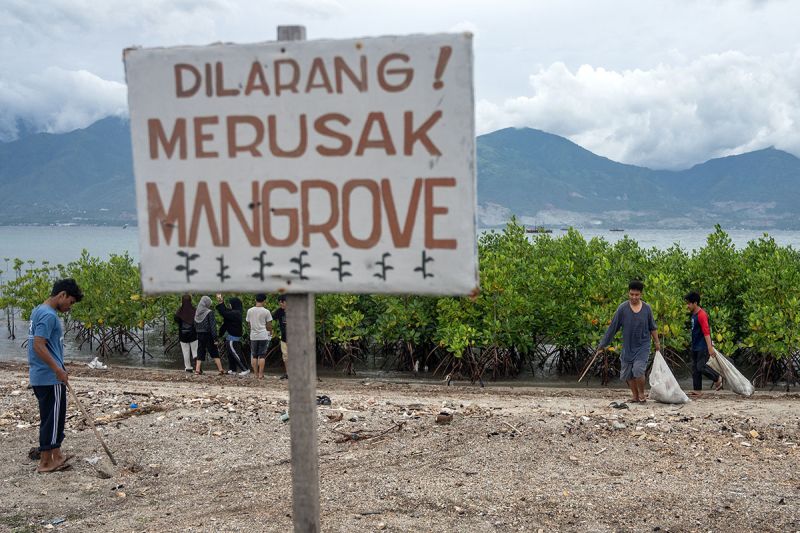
{"points": [[48, 376]]}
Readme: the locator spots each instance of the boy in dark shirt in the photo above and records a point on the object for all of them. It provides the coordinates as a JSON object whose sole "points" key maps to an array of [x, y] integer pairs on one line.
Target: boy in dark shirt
{"points": [[702, 348]]}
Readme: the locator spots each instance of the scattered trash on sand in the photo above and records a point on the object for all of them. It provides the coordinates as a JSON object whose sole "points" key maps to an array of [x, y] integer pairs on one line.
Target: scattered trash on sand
{"points": [[365, 434], [444, 418], [323, 400]]}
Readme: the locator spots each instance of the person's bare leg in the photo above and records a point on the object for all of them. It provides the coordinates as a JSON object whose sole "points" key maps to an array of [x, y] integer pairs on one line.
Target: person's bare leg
{"points": [[198, 366], [218, 362], [640, 386], [262, 362], [57, 456], [285, 358], [634, 390], [45, 461]]}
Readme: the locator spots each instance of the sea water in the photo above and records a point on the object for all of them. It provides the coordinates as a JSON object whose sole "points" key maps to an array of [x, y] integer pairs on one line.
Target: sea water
{"points": [[62, 244]]}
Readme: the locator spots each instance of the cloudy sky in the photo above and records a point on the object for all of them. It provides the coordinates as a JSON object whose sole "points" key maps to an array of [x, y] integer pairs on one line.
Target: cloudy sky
{"points": [[662, 83]]}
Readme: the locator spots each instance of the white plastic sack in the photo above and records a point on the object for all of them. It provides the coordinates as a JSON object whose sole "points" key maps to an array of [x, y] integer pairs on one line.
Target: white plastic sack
{"points": [[664, 387], [97, 364], [731, 377]]}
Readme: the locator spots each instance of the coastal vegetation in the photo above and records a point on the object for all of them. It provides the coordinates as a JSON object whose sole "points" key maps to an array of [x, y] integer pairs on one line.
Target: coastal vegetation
{"points": [[544, 303]]}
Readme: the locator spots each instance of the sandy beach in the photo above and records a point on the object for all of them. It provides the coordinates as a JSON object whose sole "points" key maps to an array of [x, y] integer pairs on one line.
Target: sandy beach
{"points": [[210, 453]]}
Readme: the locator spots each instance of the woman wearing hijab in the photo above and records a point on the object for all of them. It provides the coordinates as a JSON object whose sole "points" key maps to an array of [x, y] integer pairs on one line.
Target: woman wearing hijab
{"points": [[206, 328], [232, 329], [186, 332]]}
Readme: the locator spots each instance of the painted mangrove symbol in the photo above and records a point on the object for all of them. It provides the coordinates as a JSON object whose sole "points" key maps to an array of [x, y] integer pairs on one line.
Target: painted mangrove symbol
{"points": [[222, 268], [423, 267], [340, 268], [262, 265], [384, 267], [186, 266], [300, 265]]}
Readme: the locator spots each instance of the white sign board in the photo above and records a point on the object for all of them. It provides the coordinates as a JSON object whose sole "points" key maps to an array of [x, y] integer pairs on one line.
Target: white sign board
{"points": [[306, 166]]}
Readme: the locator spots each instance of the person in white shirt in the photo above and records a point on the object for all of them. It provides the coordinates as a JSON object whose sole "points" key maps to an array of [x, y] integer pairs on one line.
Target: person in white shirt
{"points": [[260, 320]]}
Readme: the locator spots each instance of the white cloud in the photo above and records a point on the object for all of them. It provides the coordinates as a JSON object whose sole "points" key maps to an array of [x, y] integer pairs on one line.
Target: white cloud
{"points": [[318, 9], [464, 26], [670, 116], [58, 100], [661, 89], [75, 20]]}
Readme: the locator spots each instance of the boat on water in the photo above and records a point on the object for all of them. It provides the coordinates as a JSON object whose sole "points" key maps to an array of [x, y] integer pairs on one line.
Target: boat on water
{"points": [[538, 229], [616, 229]]}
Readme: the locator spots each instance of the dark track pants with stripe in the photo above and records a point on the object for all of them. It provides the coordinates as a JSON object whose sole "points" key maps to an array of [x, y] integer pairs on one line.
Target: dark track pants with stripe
{"points": [[700, 368], [236, 360], [52, 413]]}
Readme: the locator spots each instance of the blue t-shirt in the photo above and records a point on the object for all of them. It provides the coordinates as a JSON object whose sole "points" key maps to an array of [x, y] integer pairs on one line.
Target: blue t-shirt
{"points": [[45, 323]]}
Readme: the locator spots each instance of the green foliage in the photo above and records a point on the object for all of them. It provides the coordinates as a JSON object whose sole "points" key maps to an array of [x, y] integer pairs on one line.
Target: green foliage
{"points": [[405, 319], [501, 315], [339, 319], [454, 333], [539, 296], [112, 293], [771, 299], [665, 292], [27, 290]]}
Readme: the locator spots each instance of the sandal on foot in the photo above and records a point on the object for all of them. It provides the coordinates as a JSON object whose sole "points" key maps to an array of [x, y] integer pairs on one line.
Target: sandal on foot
{"points": [[717, 384], [60, 468]]}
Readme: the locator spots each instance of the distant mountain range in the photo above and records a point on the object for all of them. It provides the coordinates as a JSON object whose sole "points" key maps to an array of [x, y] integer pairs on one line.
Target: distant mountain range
{"points": [[86, 177], [548, 180]]}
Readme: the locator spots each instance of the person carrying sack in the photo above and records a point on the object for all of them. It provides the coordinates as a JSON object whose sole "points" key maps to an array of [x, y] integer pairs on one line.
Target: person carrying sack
{"points": [[702, 347], [635, 318]]}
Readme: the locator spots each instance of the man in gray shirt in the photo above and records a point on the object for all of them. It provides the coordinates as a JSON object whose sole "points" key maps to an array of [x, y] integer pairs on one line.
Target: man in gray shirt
{"points": [[636, 320]]}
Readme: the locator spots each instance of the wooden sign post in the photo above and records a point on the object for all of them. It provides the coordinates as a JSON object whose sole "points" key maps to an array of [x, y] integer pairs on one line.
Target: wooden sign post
{"points": [[302, 370]]}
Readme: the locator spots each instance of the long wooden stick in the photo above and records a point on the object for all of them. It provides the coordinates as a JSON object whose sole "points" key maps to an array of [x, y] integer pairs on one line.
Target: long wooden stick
{"points": [[90, 421], [589, 365]]}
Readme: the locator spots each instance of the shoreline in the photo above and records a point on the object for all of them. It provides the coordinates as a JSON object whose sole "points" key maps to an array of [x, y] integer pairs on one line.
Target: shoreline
{"points": [[522, 382], [512, 459]]}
